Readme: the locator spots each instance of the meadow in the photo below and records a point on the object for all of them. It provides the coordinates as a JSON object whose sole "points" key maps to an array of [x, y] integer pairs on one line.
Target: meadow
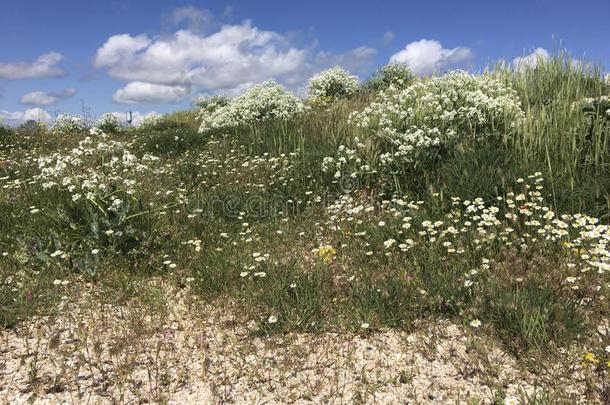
{"points": [[464, 208]]}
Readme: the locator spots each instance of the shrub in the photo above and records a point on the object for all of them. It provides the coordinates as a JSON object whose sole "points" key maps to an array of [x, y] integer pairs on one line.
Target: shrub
{"points": [[596, 107], [211, 104], [263, 102], [69, 124], [330, 85], [109, 122], [394, 74], [149, 120], [99, 204], [426, 120]]}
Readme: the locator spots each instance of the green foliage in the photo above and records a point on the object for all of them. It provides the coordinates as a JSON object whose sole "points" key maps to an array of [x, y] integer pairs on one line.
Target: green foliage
{"points": [[288, 299], [173, 138], [238, 213], [533, 317], [393, 74]]}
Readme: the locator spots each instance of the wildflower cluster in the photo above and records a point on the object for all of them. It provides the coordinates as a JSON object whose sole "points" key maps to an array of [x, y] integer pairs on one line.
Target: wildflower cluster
{"points": [[109, 123], [330, 85], [262, 102], [473, 227], [98, 180], [434, 115], [394, 74], [150, 120], [326, 253], [69, 124], [594, 107], [211, 104]]}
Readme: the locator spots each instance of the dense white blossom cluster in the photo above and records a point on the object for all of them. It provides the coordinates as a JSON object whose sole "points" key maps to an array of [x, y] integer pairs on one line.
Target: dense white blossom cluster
{"points": [[595, 106], [96, 172], [211, 104], [332, 84], [69, 124], [109, 122], [393, 74], [150, 120], [262, 102], [418, 122]]}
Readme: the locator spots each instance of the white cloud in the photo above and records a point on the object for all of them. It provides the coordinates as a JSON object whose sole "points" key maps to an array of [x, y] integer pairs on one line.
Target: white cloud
{"points": [[197, 19], [231, 58], [530, 60], [233, 55], [388, 37], [38, 98], [42, 98], [141, 92], [19, 117], [44, 66], [428, 56]]}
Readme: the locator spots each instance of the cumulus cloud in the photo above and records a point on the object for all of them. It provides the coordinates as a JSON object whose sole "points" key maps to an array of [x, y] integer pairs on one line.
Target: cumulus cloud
{"points": [[530, 60], [226, 60], [19, 117], [141, 92], [195, 19], [428, 56], [44, 66], [46, 99]]}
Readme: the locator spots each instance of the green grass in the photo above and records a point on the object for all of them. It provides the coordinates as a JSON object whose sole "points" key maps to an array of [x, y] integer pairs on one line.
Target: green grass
{"points": [[261, 189]]}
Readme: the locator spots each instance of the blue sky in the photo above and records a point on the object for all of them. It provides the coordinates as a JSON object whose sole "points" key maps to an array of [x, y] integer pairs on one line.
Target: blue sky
{"points": [[160, 55]]}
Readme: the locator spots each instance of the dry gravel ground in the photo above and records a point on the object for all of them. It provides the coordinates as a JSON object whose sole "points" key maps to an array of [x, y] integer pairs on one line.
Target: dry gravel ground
{"points": [[187, 353]]}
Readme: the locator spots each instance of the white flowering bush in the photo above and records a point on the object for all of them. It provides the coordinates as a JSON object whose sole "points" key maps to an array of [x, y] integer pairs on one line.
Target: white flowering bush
{"points": [[596, 106], [109, 122], [394, 74], [211, 104], [69, 124], [330, 85], [149, 120], [99, 181], [263, 102], [420, 122]]}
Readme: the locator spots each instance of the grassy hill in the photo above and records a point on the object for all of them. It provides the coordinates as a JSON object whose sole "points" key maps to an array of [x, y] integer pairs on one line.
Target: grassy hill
{"points": [[482, 201]]}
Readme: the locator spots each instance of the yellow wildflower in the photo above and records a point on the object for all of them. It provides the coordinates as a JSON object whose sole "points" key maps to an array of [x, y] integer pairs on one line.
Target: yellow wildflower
{"points": [[327, 254], [590, 358]]}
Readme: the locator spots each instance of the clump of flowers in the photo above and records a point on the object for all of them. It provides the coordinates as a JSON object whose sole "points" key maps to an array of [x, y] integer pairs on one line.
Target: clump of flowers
{"points": [[211, 104], [263, 102], [69, 124], [326, 253], [330, 85], [150, 120], [109, 123], [100, 180], [596, 107], [589, 359], [430, 117], [394, 74]]}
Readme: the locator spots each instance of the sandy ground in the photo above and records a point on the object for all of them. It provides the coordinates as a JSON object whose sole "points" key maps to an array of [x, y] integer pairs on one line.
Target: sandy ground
{"points": [[199, 355]]}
